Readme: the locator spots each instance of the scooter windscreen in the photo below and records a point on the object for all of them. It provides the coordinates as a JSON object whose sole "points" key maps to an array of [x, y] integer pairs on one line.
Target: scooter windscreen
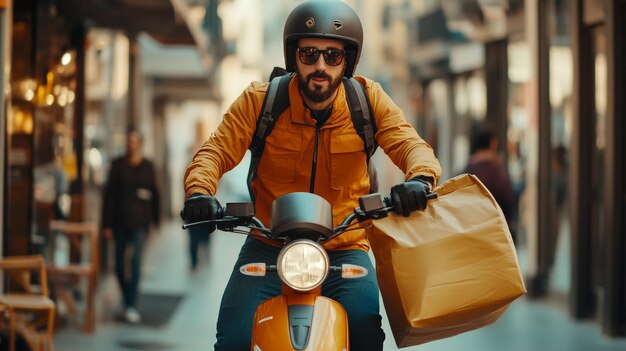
{"points": [[301, 216]]}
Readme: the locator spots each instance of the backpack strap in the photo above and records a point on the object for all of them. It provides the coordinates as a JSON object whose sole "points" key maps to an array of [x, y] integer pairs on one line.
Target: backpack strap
{"points": [[275, 103], [361, 113]]}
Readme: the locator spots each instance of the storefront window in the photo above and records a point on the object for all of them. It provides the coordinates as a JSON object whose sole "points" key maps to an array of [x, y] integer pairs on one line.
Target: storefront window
{"points": [[55, 160], [42, 158]]}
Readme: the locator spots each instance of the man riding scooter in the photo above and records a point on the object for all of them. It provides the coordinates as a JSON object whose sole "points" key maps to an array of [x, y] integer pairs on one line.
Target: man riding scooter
{"points": [[313, 146]]}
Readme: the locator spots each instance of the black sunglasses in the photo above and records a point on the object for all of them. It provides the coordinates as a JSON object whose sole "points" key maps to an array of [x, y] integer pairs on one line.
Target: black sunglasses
{"points": [[310, 55]]}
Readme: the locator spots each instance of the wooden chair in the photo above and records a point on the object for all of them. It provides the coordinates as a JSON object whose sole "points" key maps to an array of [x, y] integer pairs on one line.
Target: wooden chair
{"points": [[81, 263], [25, 301]]}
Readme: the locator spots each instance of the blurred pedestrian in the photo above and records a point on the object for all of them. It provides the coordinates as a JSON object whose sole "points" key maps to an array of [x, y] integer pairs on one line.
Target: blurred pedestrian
{"points": [[485, 165], [199, 236], [131, 204]]}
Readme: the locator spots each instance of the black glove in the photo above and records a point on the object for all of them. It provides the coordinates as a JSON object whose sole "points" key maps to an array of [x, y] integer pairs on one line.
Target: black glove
{"points": [[199, 207], [410, 196]]}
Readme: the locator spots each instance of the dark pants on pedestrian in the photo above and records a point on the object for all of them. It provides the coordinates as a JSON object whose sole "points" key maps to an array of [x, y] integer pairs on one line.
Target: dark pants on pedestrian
{"points": [[198, 236], [359, 297], [129, 239]]}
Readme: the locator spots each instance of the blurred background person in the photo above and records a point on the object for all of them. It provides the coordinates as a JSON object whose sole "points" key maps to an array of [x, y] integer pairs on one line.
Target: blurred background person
{"points": [[131, 204], [198, 235], [485, 165]]}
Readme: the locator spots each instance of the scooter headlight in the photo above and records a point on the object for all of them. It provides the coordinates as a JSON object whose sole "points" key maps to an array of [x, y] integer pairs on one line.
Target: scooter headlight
{"points": [[303, 265]]}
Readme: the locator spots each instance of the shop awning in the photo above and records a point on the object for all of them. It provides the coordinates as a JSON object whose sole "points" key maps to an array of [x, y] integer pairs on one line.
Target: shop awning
{"points": [[154, 17]]}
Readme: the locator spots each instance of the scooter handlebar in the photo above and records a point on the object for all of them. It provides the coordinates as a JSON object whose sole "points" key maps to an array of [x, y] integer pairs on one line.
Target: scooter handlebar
{"points": [[371, 206]]}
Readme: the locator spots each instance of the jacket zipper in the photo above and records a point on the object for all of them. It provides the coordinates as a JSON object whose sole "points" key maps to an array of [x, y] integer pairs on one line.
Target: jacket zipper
{"points": [[314, 165]]}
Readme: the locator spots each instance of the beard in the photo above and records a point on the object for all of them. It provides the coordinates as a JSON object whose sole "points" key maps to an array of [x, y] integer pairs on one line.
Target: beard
{"points": [[317, 92]]}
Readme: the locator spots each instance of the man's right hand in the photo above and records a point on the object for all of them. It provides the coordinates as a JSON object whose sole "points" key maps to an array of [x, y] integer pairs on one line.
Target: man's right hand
{"points": [[199, 207]]}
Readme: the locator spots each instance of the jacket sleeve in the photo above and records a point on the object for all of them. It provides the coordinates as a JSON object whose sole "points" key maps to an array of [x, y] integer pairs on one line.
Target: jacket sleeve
{"points": [[228, 144], [399, 139]]}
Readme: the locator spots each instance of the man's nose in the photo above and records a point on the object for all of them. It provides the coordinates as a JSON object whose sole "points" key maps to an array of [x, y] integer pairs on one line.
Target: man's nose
{"points": [[320, 64]]}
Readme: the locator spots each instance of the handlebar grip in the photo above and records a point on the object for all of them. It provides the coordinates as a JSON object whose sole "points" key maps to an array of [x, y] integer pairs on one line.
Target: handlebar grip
{"points": [[389, 203]]}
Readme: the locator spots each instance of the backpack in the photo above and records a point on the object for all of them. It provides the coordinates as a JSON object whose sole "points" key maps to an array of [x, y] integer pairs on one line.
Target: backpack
{"points": [[276, 101]]}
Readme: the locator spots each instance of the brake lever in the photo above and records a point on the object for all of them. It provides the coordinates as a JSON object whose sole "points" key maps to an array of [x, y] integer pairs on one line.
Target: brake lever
{"points": [[226, 220]]}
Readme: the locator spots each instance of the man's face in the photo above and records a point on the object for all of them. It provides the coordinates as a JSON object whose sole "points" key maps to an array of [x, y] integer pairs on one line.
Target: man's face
{"points": [[133, 143], [319, 80]]}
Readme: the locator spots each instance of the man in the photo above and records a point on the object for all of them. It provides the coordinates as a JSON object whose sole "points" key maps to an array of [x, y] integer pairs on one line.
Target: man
{"points": [[313, 147], [131, 203], [485, 165]]}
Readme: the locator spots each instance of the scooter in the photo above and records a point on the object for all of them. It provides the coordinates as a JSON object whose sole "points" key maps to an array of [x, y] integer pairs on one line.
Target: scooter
{"points": [[300, 318]]}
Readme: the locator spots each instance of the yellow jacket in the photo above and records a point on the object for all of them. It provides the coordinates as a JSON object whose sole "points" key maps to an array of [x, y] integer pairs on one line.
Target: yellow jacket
{"points": [[285, 167]]}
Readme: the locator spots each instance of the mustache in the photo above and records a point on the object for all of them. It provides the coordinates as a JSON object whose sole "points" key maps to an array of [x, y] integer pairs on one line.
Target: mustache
{"points": [[318, 74]]}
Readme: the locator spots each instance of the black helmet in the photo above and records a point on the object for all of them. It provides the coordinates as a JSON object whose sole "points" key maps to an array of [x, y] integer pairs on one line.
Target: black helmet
{"points": [[330, 19]]}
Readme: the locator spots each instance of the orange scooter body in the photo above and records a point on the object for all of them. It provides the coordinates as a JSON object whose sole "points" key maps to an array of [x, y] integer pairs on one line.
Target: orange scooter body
{"points": [[272, 331]]}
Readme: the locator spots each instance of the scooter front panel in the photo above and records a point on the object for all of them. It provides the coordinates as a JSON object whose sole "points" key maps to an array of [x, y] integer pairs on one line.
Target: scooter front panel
{"points": [[271, 326], [272, 331], [329, 329]]}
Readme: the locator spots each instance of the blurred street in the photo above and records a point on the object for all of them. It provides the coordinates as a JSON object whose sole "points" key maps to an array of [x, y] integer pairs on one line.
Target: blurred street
{"points": [[525, 94], [528, 325]]}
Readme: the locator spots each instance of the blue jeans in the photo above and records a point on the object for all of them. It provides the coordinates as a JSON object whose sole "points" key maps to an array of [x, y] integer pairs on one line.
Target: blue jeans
{"points": [[243, 294], [133, 239]]}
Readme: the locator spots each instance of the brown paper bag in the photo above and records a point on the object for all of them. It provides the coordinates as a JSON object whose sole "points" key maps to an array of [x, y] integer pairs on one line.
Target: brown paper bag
{"points": [[449, 269]]}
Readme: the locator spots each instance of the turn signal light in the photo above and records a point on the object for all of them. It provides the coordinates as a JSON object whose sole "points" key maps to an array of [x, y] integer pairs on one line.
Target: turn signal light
{"points": [[352, 271], [253, 269]]}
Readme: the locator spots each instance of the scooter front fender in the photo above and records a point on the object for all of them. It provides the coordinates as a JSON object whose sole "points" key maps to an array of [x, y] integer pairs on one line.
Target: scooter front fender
{"points": [[272, 327]]}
